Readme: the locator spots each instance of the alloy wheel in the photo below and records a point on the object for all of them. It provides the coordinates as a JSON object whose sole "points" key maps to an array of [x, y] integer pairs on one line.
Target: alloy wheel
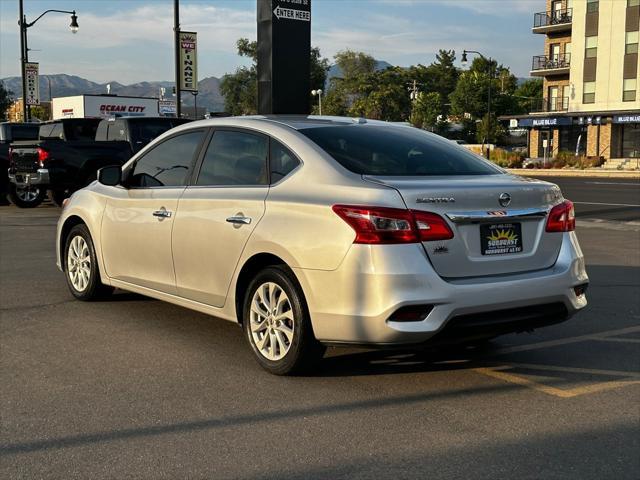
{"points": [[79, 263], [27, 193], [271, 321]]}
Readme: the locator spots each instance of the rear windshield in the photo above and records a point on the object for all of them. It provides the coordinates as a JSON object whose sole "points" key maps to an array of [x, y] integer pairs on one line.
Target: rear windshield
{"points": [[84, 129], [143, 131], [24, 132], [396, 151]]}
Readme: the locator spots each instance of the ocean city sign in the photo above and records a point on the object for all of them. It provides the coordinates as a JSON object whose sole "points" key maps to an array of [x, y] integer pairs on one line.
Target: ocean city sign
{"points": [[188, 61]]}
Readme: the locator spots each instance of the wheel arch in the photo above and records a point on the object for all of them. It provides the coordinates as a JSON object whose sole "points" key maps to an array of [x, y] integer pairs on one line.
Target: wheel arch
{"points": [[68, 224], [248, 271]]}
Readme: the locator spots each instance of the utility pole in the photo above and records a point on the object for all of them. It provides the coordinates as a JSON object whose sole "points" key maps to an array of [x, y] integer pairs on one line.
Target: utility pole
{"points": [[176, 31], [23, 61]]}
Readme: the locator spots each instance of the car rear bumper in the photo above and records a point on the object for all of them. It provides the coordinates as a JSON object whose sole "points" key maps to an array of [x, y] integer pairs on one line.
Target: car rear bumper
{"points": [[39, 177], [353, 303]]}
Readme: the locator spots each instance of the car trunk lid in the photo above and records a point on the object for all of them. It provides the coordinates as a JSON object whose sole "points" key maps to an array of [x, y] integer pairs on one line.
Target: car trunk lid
{"points": [[490, 237]]}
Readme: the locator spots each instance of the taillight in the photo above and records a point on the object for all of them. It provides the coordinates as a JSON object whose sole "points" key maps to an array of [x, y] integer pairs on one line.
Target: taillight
{"points": [[43, 156], [382, 225], [562, 218], [431, 226]]}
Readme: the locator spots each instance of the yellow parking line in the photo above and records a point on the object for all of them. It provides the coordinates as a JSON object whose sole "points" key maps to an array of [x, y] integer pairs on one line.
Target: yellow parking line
{"points": [[565, 341], [588, 371], [498, 372]]}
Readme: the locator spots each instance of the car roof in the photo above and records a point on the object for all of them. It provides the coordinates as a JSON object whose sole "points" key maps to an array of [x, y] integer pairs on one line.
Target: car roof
{"points": [[297, 122]]}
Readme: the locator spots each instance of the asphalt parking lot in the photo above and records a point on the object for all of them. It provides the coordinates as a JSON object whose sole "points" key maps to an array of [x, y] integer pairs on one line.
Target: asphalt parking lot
{"points": [[137, 388]]}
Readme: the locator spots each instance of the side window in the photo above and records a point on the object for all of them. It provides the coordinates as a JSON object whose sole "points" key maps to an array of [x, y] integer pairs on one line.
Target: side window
{"points": [[116, 131], [282, 161], [57, 131], [45, 130], [235, 158], [167, 164]]}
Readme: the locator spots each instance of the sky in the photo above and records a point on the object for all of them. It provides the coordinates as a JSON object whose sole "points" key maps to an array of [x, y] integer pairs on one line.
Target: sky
{"points": [[132, 40]]}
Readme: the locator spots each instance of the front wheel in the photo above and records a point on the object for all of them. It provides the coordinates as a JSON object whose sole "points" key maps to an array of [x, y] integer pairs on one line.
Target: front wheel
{"points": [[26, 196], [81, 266], [277, 324]]}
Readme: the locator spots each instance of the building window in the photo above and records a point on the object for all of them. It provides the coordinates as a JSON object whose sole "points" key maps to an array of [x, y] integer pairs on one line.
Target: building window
{"points": [[589, 92], [633, 3], [631, 42], [591, 47], [629, 87], [592, 6]]}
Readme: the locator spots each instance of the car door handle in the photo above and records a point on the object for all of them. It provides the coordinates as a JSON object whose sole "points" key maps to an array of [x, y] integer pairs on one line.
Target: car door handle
{"points": [[162, 213], [239, 220]]}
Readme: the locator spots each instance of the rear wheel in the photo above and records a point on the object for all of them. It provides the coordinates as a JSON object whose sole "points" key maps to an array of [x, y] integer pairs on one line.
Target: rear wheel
{"points": [[26, 196], [81, 266], [277, 324]]}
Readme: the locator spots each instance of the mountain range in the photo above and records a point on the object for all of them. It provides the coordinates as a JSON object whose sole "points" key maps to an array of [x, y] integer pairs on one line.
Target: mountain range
{"points": [[62, 85]]}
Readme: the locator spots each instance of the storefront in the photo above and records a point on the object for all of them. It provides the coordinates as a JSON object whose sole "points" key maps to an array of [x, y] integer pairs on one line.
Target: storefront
{"points": [[607, 135], [626, 136]]}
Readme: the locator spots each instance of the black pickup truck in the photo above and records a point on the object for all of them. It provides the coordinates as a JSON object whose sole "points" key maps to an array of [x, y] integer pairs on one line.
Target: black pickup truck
{"points": [[69, 152], [10, 132]]}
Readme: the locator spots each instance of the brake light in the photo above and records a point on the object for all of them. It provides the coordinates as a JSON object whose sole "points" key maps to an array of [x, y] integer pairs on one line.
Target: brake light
{"points": [[562, 218], [431, 226], [43, 156], [382, 225]]}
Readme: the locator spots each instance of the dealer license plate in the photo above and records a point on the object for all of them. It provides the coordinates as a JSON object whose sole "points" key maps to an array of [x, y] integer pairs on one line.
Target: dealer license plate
{"points": [[500, 238]]}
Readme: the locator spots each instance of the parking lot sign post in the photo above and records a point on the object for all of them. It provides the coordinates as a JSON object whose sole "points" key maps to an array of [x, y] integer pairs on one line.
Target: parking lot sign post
{"points": [[284, 56]]}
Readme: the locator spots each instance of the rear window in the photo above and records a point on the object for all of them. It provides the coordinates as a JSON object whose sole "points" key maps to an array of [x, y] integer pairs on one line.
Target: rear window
{"points": [[24, 132], [396, 151], [82, 130]]}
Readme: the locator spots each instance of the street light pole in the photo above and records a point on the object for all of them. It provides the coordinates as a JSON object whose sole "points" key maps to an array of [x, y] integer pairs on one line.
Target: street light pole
{"points": [[318, 92], [195, 104], [24, 58], [176, 32]]}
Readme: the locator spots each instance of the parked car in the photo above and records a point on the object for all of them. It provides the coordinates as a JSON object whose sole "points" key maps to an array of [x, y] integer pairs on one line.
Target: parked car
{"points": [[70, 151], [10, 132], [311, 232]]}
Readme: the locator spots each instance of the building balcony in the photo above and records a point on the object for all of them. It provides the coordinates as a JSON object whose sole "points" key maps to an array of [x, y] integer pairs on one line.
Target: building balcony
{"points": [[551, 105], [555, 21], [544, 65]]}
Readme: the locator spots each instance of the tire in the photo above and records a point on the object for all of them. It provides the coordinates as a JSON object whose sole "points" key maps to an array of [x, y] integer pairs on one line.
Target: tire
{"points": [[80, 258], [284, 344], [58, 196], [26, 197]]}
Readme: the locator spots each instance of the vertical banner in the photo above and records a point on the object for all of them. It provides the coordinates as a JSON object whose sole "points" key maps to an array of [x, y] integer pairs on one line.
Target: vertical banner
{"points": [[32, 76], [188, 62]]}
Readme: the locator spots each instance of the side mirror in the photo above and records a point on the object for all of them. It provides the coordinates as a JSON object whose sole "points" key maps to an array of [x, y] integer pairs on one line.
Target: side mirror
{"points": [[111, 175]]}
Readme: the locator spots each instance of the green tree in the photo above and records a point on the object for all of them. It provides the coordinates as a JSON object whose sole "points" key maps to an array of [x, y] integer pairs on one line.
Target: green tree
{"points": [[444, 74], [381, 95], [39, 112], [528, 95], [6, 99], [240, 89], [426, 109]]}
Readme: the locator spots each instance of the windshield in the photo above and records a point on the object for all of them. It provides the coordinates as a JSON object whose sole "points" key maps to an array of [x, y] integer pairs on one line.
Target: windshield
{"points": [[396, 151]]}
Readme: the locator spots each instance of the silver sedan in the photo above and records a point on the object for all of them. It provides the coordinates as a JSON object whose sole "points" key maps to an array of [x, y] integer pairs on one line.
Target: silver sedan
{"points": [[315, 231]]}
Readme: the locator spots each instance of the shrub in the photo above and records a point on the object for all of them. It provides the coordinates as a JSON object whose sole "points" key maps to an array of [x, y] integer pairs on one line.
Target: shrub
{"points": [[506, 159]]}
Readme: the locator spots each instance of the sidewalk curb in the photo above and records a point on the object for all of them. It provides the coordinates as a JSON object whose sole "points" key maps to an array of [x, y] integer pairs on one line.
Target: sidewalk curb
{"points": [[563, 172]]}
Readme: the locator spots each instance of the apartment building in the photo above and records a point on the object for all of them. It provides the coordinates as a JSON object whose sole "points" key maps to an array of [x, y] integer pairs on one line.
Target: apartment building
{"points": [[590, 71]]}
